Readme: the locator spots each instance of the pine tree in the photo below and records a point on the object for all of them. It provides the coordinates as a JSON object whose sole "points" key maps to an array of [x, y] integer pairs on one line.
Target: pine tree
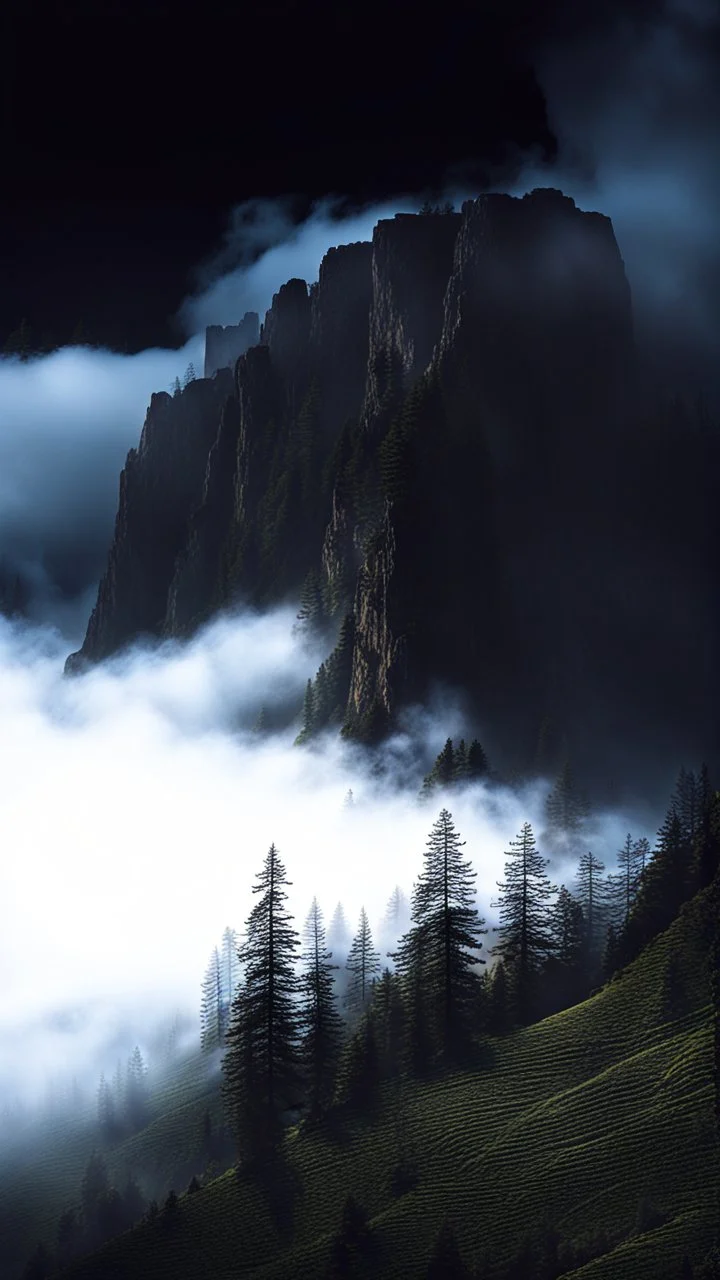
{"points": [[706, 857], [444, 939], [363, 963], [338, 671], [338, 935], [106, 1109], [389, 1013], [524, 936], [349, 801], [477, 761], [175, 387], [461, 769], [136, 1092], [229, 967], [189, 375], [395, 911], [358, 1077], [322, 1025], [592, 895], [262, 1062], [308, 715], [623, 887], [312, 610], [212, 1020], [564, 967], [566, 809], [665, 885]]}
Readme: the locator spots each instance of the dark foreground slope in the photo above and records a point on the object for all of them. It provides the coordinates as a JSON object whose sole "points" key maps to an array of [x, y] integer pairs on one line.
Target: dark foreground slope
{"points": [[448, 434], [573, 1123]]}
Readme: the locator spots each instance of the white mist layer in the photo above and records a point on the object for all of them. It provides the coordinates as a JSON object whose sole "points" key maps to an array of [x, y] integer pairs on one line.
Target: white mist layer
{"points": [[136, 815]]}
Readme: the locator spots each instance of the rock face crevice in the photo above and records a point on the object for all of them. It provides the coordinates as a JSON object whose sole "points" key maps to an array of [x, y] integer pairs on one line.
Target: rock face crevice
{"points": [[438, 429]]}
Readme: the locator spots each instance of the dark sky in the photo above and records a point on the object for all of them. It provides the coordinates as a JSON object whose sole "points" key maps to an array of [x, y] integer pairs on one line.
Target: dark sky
{"points": [[120, 166], [131, 129]]}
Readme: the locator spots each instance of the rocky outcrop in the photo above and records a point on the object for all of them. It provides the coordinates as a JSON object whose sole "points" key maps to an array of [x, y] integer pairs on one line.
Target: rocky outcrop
{"points": [[411, 261], [436, 424], [224, 344], [160, 486]]}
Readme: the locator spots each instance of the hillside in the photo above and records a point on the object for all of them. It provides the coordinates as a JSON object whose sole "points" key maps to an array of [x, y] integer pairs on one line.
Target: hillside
{"points": [[573, 1121]]}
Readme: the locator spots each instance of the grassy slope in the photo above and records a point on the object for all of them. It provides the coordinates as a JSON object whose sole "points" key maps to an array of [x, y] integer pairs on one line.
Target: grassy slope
{"points": [[577, 1118], [37, 1184]]}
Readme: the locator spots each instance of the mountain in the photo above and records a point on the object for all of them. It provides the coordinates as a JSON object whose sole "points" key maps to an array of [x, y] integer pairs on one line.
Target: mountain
{"points": [[449, 434]]}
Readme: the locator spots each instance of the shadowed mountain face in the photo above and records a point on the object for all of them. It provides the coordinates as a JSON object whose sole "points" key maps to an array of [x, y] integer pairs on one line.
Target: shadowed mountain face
{"points": [[448, 429]]}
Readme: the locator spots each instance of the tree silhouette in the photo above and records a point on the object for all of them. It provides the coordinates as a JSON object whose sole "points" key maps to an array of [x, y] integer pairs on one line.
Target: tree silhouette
{"points": [[363, 963], [444, 939], [524, 935], [262, 1062], [322, 1025]]}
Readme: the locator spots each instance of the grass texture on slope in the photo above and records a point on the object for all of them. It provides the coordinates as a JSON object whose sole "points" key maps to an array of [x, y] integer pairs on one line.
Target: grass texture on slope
{"points": [[572, 1122]]}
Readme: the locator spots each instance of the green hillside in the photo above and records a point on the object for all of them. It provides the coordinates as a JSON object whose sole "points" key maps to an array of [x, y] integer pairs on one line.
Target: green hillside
{"points": [[574, 1121]]}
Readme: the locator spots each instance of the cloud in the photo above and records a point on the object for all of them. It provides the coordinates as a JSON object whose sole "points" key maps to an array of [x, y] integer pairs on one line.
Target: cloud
{"points": [[137, 807], [67, 421], [635, 106]]}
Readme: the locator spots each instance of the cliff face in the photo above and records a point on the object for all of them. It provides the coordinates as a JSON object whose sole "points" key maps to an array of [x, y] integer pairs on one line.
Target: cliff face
{"points": [[435, 427], [160, 486], [224, 344]]}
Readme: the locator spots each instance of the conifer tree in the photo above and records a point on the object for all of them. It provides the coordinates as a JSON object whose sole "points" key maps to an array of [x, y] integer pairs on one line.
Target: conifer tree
{"points": [[461, 770], [524, 936], [706, 857], [338, 935], [592, 895], [395, 911], [566, 809], [477, 761], [446, 931], [349, 801], [322, 1025], [106, 1109], [358, 1079], [363, 963], [308, 714], [211, 1009], [262, 1061], [666, 884], [136, 1091], [389, 1012], [312, 610], [623, 887], [189, 375], [564, 968], [229, 967], [338, 671]]}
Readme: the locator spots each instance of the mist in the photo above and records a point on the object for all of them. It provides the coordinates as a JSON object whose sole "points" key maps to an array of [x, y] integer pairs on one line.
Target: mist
{"points": [[137, 802], [635, 107], [138, 805], [67, 421]]}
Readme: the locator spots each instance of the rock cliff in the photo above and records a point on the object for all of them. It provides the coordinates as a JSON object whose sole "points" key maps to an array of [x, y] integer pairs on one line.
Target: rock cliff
{"points": [[436, 429]]}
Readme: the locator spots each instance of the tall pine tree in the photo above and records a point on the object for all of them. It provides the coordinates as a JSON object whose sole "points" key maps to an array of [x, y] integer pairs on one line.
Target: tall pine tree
{"points": [[443, 942], [524, 940], [322, 1025], [262, 1063], [363, 964]]}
